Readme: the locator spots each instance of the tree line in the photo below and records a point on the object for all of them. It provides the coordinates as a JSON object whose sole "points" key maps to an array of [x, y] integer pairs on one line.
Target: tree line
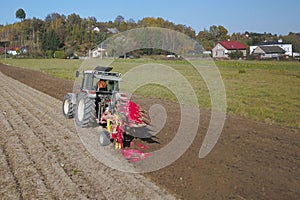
{"points": [[75, 34]]}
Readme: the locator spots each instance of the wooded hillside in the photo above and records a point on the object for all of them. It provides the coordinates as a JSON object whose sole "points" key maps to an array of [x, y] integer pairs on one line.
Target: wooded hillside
{"points": [[75, 34]]}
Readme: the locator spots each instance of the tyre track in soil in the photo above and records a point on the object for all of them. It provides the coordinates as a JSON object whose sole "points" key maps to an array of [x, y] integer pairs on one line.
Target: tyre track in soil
{"points": [[49, 141]]}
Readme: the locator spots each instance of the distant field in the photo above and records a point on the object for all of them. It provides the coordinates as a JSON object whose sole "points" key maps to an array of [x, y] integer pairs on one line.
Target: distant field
{"points": [[262, 90], [56, 67]]}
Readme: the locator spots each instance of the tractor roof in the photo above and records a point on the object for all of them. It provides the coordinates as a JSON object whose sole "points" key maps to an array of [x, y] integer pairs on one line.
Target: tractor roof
{"points": [[114, 76]]}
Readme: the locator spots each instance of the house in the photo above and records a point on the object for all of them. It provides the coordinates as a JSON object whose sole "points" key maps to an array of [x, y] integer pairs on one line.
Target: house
{"points": [[113, 30], [223, 48], [2, 50], [268, 52], [96, 29], [288, 48], [97, 52], [296, 54], [16, 50]]}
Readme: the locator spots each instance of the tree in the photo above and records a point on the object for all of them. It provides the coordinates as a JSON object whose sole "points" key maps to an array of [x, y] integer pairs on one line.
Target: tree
{"points": [[51, 17], [293, 38], [131, 21], [214, 32], [21, 14], [119, 19], [222, 33], [50, 41], [92, 21], [208, 38]]}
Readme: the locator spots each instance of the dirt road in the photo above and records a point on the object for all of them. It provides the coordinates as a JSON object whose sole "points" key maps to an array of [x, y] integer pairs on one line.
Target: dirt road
{"points": [[42, 157]]}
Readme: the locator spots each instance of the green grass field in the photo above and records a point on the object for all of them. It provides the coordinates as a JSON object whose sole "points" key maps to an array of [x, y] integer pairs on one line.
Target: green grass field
{"points": [[261, 90]]}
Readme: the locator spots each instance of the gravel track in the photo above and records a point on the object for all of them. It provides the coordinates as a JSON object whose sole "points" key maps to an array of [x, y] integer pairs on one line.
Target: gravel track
{"points": [[42, 157]]}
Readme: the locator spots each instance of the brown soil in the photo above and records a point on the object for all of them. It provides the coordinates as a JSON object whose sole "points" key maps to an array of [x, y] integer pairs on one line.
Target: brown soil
{"points": [[252, 159]]}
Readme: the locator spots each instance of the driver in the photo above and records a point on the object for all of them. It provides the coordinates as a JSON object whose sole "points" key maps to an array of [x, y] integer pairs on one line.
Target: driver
{"points": [[102, 86]]}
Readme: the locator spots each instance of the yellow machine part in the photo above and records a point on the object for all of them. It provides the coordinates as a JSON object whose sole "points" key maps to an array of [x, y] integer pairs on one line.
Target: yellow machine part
{"points": [[108, 125]]}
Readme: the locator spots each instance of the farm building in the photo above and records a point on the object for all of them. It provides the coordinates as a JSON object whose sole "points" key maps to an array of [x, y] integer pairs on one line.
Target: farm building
{"points": [[268, 52], [113, 30], [223, 48], [288, 48], [97, 52], [16, 50]]}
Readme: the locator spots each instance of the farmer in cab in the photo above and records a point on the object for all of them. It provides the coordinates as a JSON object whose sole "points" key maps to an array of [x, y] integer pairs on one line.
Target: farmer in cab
{"points": [[102, 86]]}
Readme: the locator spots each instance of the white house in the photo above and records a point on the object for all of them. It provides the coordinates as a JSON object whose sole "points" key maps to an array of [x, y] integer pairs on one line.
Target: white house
{"points": [[113, 30], [97, 52], [96, 29], [288, 48], [16, 50]]}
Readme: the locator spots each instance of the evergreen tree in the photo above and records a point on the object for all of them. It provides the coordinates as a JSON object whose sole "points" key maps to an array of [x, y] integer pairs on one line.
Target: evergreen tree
{"points": [[50, 41]]}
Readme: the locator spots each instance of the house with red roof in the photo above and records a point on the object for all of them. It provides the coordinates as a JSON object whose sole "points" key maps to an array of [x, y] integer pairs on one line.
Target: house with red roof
{"points": [[223, 48], [16, 50]]}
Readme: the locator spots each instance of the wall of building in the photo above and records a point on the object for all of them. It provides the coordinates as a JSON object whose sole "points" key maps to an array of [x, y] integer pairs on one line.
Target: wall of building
{"points": [[219, 52], [287, 47]]}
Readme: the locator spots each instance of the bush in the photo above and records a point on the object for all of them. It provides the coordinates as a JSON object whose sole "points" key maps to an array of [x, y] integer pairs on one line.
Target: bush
{"points": [[252, 57], [236, 55], [49, 54], [69, 53], [59, 54]]}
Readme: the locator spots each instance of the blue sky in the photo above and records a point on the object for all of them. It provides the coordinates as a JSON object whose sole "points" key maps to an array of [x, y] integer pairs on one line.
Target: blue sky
{"points": [[235, 15]]}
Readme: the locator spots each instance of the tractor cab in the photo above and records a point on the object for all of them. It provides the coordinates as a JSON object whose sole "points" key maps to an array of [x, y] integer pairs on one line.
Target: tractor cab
{"points": [[97, 83]]}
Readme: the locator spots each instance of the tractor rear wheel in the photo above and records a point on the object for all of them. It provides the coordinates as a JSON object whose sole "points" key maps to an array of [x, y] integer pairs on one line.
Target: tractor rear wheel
{"points": [[68, 107], [85, 112]]}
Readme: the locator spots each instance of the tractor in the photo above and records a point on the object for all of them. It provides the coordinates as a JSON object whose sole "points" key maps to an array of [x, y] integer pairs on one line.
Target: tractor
{"points": [[100, 104]]}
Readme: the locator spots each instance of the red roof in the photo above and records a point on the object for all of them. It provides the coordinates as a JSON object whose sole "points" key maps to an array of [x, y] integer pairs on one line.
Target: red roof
{"points": [[231, 45]]}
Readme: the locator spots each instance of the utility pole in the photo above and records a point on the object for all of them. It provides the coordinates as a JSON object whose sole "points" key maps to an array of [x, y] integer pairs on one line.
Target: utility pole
{"points": [[4, 51], [101, 50]]}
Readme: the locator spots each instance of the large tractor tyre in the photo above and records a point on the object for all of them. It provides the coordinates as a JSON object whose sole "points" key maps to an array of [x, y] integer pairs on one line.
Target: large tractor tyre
{"points": [[85, 112], [104, 138], [68, 107]]}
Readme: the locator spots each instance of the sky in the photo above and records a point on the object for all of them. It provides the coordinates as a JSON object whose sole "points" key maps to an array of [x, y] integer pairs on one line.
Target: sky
{"points": [[235, 15]]}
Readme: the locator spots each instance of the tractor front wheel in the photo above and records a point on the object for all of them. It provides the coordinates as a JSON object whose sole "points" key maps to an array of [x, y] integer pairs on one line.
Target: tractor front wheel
{"points": [[104, 138], [85, 112], [68, 107]]}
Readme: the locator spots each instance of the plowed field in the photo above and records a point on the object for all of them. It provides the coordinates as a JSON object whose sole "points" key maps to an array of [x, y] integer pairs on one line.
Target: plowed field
{"points": [[42, 157]]}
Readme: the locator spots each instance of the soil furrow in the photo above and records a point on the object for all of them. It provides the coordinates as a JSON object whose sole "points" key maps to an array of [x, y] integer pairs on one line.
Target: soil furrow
{"points": [[27, 181], [19, 158], [114, 177], [252, 159], [93, 179], [39, 123], [66, 135], [9, 181], [9, 184], [40, 158]]}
